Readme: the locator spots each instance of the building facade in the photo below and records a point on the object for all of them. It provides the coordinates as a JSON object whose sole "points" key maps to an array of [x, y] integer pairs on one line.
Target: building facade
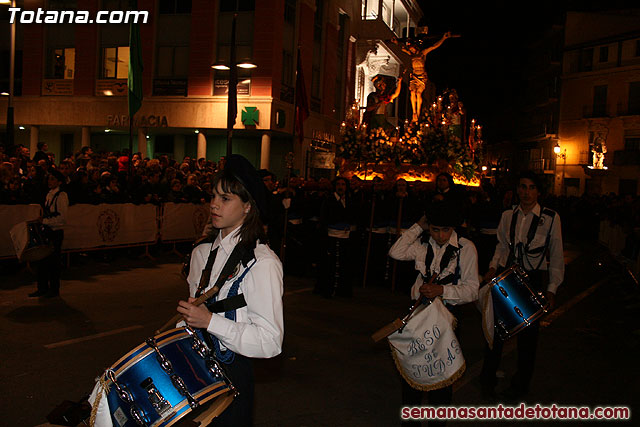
{"points": [[71, 79], [599, 129]]}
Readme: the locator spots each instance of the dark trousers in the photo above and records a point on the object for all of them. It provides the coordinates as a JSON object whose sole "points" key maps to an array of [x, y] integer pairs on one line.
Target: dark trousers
{"points": [[527, 346], [486, 246], [48, 269], [380, 264], [335, 274], [296, 256], [413, 397], [240, 412]]}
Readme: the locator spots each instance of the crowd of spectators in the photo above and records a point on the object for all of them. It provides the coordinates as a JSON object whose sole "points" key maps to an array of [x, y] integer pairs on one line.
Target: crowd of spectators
{"points": [[96, 178]]}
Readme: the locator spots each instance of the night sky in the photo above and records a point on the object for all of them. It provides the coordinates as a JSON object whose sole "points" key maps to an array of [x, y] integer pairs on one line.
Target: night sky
{"points": [[484, 65]]}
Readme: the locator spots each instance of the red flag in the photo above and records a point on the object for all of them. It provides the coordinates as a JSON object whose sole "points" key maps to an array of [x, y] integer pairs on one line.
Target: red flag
{"points": [[232, 102], [301, 102]]}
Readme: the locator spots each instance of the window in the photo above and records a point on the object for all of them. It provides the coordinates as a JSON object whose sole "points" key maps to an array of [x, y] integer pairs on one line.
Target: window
{"points": [[237, 5], [287, 68], [316, 67], [173, 7], [61, 63], [62, 5], [600, 100], [370, 9], [587, 59], [634, 98], [290, 12], [172, 62], [632, 143], [288, 49], [243, 44], [604, 54], [115, 62], [338, 103]]}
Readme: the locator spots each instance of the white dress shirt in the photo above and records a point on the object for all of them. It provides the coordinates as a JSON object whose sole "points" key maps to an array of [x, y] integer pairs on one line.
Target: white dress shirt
{"points": [[258, 330], [60, 205], [548, 226], [409, 248]]}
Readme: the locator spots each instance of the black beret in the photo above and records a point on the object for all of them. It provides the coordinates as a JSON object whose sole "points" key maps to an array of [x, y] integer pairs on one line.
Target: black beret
{"points": [[444, 214], [248, 176]]}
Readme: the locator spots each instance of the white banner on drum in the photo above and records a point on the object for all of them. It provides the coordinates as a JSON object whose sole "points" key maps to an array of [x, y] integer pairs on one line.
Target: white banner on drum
{"points": [[90, 226], [427, 352], [183, 221], [10, 215]]}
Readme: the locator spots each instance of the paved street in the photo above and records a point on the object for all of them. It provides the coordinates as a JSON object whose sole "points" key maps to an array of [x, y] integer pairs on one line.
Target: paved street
{"points": [[330, 372]]}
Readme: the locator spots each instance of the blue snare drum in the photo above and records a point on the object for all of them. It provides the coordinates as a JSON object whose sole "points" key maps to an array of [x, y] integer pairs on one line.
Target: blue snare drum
{"points": [[515, 304], [166, 378]]}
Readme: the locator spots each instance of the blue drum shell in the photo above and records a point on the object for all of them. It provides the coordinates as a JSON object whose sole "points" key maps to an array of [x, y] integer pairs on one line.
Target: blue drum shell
{"points": [[519, 296], [141, 363]]}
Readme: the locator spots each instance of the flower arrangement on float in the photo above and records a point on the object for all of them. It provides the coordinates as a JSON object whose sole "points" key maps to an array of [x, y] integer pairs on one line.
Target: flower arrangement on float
{"points": [[440, 141]]}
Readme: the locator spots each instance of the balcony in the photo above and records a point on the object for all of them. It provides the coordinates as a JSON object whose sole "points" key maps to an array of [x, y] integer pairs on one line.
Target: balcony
{"points": [[626, 158], [598, 111], [628, 110], [383, 18], [542, 165]]}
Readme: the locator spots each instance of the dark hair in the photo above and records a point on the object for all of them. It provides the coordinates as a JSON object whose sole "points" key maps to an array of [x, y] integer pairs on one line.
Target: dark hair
{"points": [[529, 174], [448, 177], [341, 178], [40, 144], [252, 228]]}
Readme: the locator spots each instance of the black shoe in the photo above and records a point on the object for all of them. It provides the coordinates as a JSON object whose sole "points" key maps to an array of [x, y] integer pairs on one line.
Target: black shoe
{"points": [[37, 293], [51, 294]]}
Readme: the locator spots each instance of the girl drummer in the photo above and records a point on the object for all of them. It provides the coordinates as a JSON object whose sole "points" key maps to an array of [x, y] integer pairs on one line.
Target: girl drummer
{"points": [[245, 319]]}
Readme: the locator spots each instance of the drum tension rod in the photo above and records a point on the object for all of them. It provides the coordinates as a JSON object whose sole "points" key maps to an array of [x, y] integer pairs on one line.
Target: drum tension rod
{"points": [[166, 366], [123, 393]]}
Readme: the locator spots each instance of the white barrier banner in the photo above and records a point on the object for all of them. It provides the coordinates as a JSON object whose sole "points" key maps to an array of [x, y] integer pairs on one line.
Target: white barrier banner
{"points": [[90, 226], [183, 221], [11, 215]]}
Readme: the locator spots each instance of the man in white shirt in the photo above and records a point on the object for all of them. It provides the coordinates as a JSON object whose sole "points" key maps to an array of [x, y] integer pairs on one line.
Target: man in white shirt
{"points": [[530, 236], [54, 218]]}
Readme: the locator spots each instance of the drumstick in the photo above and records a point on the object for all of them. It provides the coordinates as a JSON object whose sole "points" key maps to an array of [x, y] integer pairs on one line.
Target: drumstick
{"points": [[399, 323], [202, 298]]}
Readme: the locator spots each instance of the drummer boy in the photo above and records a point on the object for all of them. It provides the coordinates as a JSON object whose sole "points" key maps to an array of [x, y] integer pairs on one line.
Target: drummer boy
{"points": [[435, 247], [528, 235]]}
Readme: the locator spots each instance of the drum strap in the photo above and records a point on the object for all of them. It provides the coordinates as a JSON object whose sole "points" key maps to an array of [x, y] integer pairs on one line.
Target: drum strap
{"points": [[449, 252], [47, 206], [516, 251], [227, 304], [227, 356], [240, 253]]}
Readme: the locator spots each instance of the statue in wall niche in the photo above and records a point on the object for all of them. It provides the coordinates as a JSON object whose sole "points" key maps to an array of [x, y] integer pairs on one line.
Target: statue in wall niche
{"points": [[599, 150]]}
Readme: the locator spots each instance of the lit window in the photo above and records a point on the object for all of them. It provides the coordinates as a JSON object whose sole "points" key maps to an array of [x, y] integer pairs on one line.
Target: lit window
{"points": [[115, 62], [62, 63]]}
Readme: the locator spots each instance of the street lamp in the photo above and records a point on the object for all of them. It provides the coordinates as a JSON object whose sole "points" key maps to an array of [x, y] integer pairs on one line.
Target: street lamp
{"points": [[12, 67]]}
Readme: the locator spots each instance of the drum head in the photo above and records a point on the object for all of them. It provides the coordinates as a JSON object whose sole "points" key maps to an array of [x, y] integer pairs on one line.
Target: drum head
{"points": [[36, 253]]}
